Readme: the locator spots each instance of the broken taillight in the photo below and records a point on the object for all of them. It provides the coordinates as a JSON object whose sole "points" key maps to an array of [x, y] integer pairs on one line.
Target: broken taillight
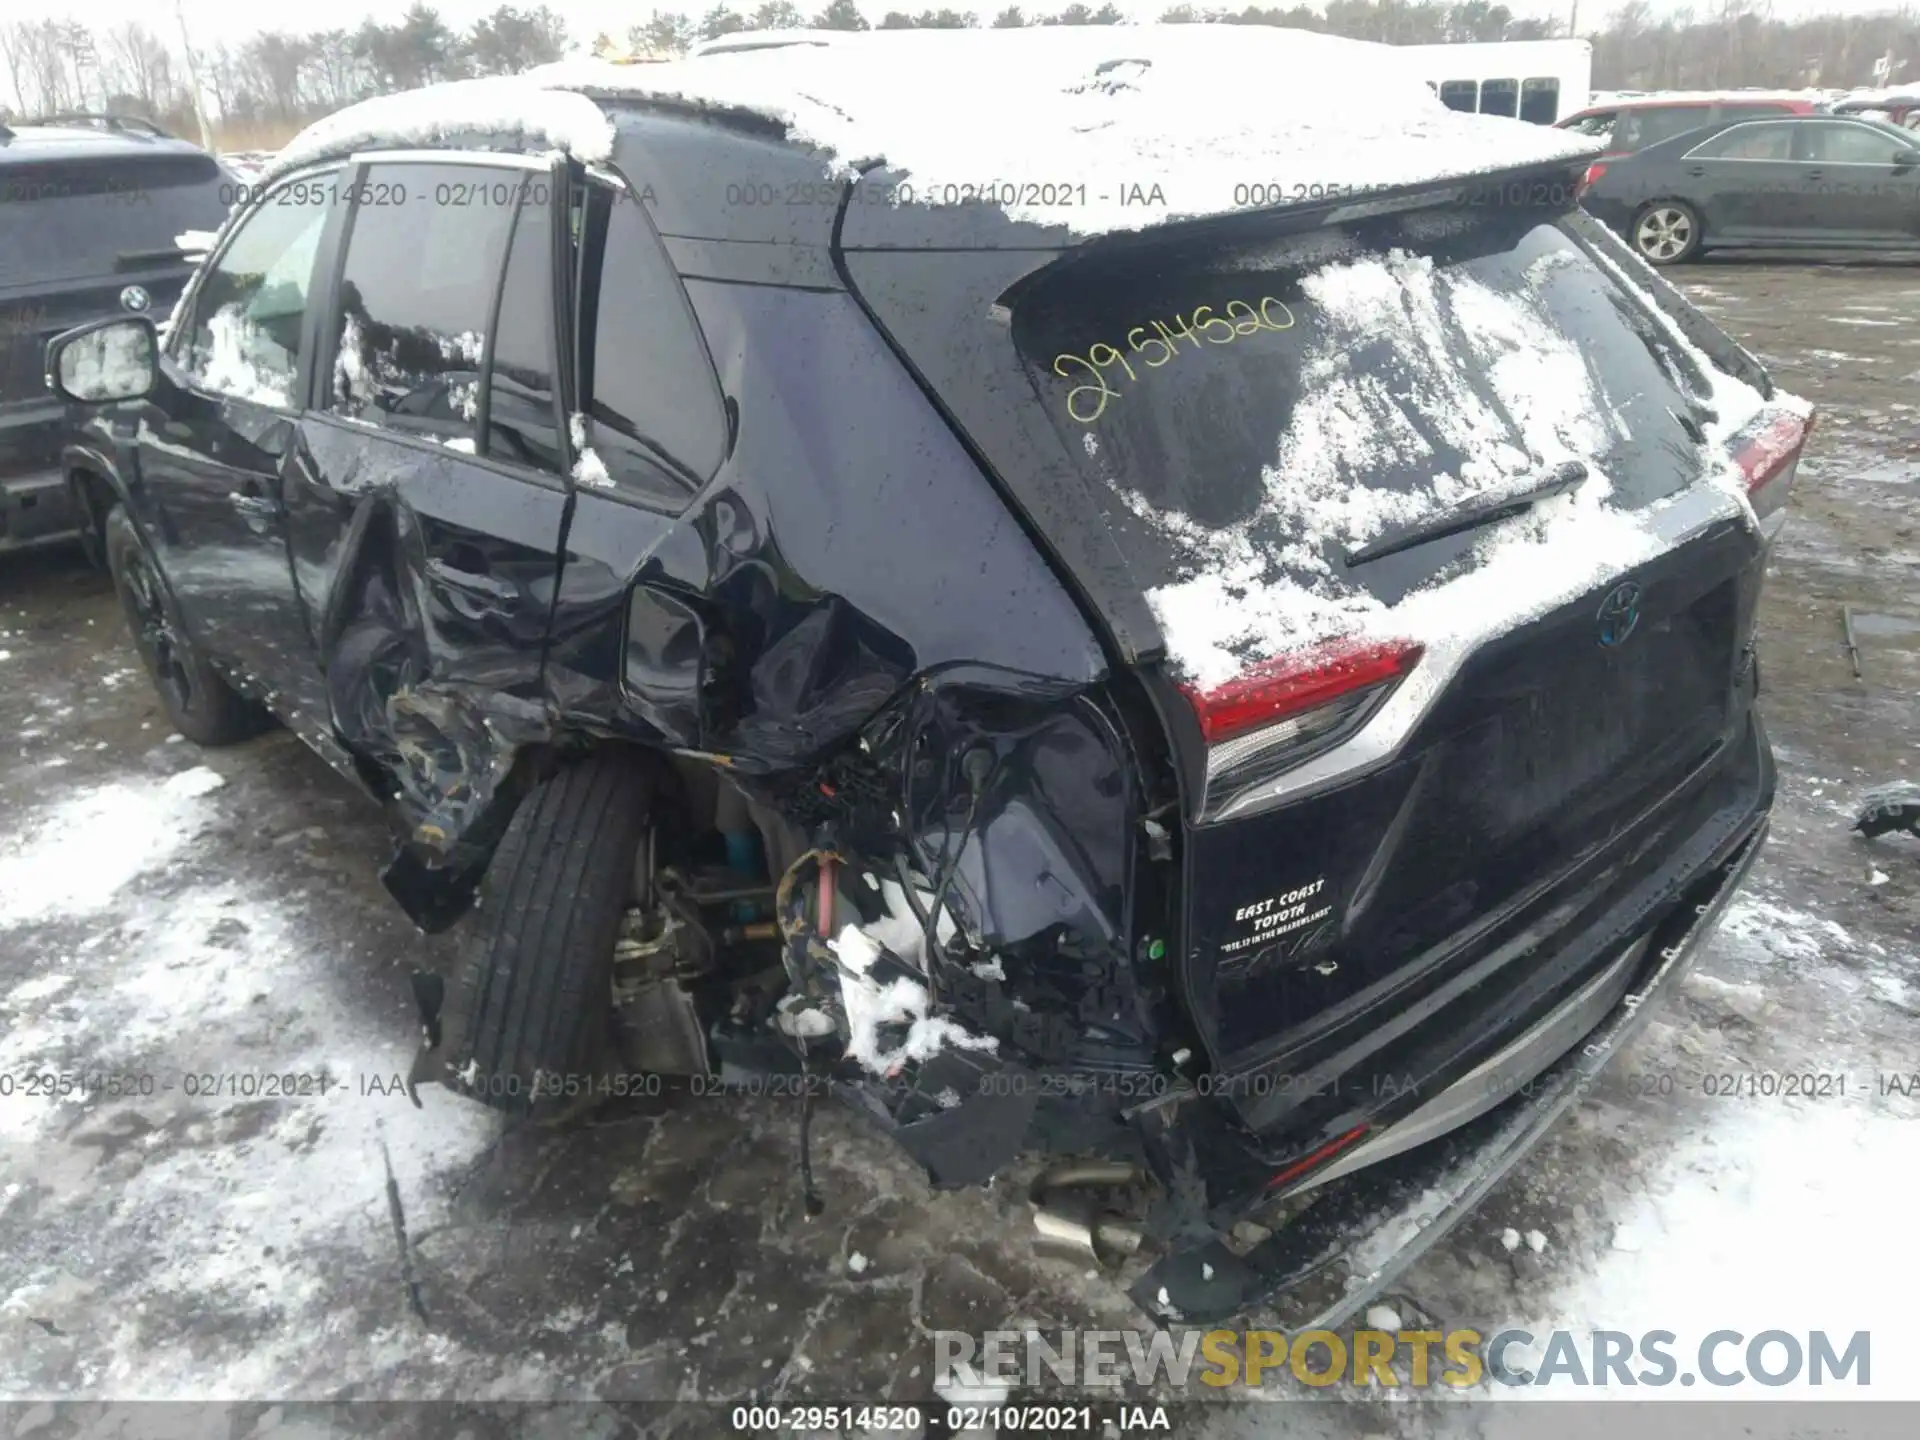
{"points": [[1768, 455], [1279, 711]]}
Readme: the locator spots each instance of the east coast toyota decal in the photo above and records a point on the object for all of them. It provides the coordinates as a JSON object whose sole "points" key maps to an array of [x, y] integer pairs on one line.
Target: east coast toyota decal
{"points": [[1276, 929]]}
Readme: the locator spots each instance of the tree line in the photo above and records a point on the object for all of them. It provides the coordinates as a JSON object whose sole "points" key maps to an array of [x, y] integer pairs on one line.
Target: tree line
{"points": [[263, 87]]}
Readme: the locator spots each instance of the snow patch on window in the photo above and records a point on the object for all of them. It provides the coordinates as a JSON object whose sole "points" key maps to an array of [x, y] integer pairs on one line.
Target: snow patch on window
{"points": [[241, 360], [588, 468], [352, 378], [1249, 600], [1246, 599]]}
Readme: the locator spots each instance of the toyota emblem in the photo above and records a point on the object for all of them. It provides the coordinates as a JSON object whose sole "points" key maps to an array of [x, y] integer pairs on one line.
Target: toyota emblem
{"points": [[1619, 613]]}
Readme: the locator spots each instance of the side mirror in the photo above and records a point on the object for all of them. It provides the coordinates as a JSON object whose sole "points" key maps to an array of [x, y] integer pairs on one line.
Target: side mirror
{"points": [[1906, 160], [105, 361]]}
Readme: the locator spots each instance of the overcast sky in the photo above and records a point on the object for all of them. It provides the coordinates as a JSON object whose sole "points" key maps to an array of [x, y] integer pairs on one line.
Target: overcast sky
{"points": [[236, 19]]}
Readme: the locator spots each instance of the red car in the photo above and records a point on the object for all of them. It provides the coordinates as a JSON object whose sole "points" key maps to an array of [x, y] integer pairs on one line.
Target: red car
{"points": [[1631, 125]]}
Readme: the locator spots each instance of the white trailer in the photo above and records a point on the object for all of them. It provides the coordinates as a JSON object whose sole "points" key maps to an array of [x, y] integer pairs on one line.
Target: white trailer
{"points": [[1535, 80]]}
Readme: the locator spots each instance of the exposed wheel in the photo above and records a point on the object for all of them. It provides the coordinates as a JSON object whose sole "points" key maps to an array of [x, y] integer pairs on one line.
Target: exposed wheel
{"points": [[529, 1018], [199, 702], [1667, 232]]}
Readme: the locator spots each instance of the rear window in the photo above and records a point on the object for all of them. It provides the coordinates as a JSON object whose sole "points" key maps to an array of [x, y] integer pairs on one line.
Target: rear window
{"points": [[1284, 405], [82, 219]]}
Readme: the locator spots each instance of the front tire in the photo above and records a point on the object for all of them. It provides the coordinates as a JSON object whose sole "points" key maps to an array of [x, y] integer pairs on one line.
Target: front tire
{"points": [[1667, 232], [529, 1026], [199, 702]]}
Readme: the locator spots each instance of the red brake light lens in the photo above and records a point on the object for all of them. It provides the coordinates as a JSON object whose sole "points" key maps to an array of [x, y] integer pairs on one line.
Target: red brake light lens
{"points": [[1594, 172], [1277, 690], [1768, 456]]}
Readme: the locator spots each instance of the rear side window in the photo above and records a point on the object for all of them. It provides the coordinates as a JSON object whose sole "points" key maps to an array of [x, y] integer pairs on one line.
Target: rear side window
{"points": [[521, 422], [1260, 410], [659, 423], [1460, 95], [1851, 145], [1748, 142], [77, 219], [416, 297], [242, 337]]}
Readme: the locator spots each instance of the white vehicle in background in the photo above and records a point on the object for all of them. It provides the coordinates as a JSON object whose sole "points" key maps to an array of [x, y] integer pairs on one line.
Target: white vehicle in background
{"points": [[1539, 81]]}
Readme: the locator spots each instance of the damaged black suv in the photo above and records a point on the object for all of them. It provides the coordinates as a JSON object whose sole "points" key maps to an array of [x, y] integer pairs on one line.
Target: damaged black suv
{"points": [[1261, 700]]}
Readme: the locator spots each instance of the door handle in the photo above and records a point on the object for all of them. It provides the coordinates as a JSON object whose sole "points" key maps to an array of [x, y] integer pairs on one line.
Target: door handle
{"points": [[1815, 175], [1696, 170]]}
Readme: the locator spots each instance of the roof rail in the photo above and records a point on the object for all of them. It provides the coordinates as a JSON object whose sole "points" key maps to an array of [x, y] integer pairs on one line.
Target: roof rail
{"points": [[102, 120]]}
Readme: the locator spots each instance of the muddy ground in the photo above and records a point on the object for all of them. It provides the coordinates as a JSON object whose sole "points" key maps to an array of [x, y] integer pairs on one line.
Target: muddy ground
{"points": [[194, 920]]}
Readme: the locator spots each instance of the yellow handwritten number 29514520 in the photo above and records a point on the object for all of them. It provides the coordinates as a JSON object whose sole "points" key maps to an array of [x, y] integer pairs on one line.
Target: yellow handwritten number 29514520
{"points": [[1154, 345]]}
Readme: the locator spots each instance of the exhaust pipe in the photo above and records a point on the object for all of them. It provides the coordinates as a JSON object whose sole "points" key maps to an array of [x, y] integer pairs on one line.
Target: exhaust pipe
{"points": [[1075, 1226]]}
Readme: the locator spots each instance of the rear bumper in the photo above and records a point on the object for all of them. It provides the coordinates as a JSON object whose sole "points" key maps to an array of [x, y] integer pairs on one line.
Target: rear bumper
{"points": [[1321, 1269]]}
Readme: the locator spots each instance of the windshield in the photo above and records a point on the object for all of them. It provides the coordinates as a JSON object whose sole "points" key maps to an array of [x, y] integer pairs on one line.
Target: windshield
{"points": [[1286, 405]]}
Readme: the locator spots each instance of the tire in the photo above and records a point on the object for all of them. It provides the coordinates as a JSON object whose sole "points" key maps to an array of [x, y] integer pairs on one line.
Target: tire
{"points": [[533, 988], [1667, 232], [199, 702]]}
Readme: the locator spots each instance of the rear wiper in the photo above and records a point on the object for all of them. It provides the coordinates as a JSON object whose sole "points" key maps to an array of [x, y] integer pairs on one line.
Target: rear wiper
{"points": [[140, 259], [1482, 510]]}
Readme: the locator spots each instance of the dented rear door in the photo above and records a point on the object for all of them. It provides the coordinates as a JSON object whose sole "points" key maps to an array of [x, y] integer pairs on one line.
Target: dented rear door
{"points": [[426, 507]]}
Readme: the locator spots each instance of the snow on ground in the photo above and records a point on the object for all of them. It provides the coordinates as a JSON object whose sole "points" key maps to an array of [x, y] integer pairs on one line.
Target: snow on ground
{"points": [[244, 1130]]}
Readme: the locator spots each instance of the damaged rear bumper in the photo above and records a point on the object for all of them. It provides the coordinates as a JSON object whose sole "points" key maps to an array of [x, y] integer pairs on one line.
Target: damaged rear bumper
{"points": [[1319, 1270]]}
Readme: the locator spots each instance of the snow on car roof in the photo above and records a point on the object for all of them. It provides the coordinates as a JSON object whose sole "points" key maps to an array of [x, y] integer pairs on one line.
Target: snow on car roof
{"points": [[1203, 112], [1637, 99]]}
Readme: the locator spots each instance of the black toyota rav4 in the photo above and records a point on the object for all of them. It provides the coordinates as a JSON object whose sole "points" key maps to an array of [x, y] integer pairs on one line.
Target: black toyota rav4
{"points": [[1257, 701]]}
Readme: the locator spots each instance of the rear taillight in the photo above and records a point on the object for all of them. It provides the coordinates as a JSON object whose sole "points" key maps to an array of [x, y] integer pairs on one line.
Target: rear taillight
{"points": [[1768, 455], [1594, 172], [1278, 712]]}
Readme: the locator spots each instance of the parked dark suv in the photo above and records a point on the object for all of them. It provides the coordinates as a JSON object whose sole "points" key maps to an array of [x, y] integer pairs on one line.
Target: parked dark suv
{"points": [[90, 208], [1262, 698]]}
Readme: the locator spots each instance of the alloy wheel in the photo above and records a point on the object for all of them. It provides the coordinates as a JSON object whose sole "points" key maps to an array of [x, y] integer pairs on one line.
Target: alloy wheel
{"points": [[154, 635], [1664, 233]]}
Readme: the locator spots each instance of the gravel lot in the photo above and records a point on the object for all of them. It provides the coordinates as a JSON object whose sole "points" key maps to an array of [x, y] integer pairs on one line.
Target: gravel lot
{"points": [[173, 913]]}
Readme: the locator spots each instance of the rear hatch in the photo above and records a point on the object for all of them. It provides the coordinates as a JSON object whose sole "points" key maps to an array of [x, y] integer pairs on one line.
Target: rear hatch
{"points": [[1413, 757], [79, 231]]}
